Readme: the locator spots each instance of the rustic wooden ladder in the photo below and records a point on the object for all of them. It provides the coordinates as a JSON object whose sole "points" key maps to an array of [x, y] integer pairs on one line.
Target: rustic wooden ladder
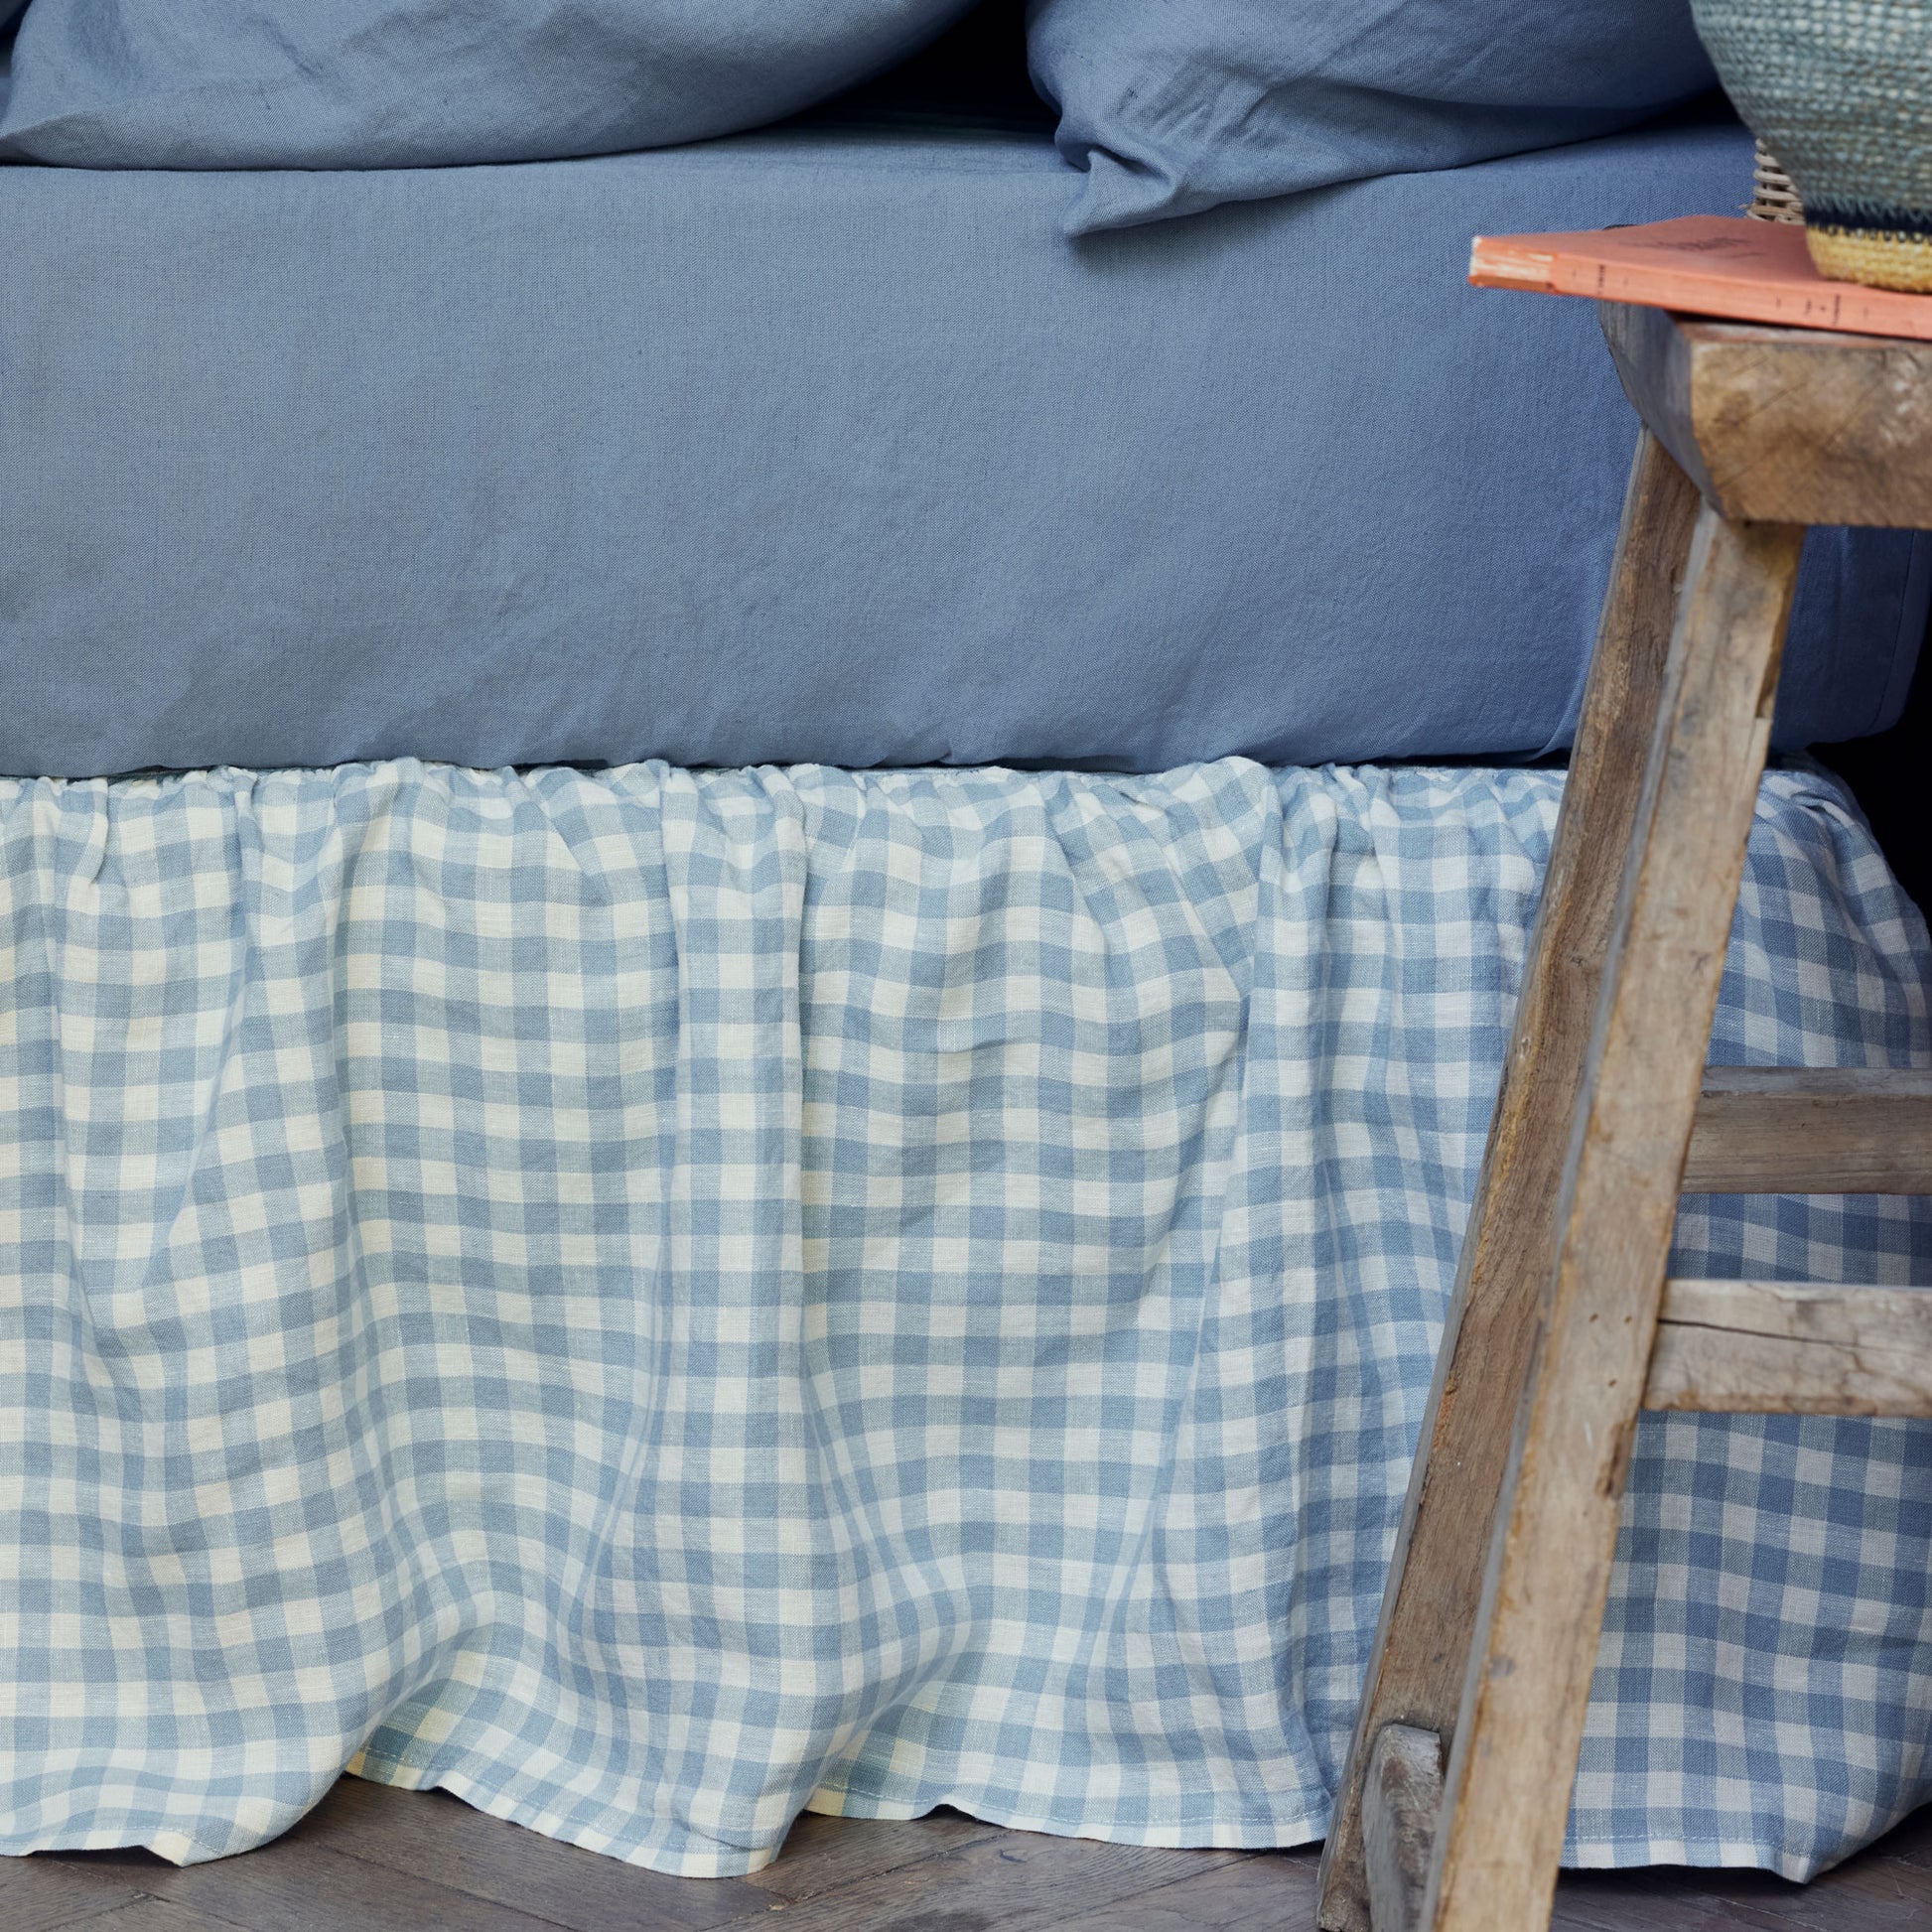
{"points": [[1563, 1325]]}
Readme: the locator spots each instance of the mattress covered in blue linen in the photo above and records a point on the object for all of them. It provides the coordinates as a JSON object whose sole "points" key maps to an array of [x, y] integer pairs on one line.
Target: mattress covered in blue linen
{"points": [[823, 444]]}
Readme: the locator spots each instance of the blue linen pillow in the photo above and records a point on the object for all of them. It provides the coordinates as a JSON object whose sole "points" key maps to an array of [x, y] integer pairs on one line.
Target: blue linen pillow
{"points": [[1175, 105], [406, 84]]}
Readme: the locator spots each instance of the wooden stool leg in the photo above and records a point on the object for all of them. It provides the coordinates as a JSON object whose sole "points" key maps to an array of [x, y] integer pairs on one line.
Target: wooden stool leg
{"points": [[1506, 1791], [1428, 1611]]}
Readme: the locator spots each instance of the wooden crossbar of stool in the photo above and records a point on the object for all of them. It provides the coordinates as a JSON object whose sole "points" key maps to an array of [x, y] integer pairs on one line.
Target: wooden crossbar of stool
{"points": [[1786, 1348], [1562, 1326], [1822, 1130]]}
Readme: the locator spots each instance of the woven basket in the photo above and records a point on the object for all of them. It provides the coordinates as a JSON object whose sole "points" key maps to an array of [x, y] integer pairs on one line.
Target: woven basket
{"points": [[1842, 91]]}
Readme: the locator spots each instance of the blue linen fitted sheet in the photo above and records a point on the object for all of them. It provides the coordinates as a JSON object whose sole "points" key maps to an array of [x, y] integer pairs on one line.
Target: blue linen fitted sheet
{"points": [[823, 444]]}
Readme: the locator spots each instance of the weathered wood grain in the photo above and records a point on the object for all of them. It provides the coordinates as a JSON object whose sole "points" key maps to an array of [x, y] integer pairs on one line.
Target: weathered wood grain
{"points": [[1514, 1753], [822, 1853], [1811, 1130], [493, 1861], [304, 1887], [1784, 425], [1399, 1803], [1783, 1348], [155, 1915], [39, 1895], [1272, 1891], [1416, 1670], [1019, 1881]]}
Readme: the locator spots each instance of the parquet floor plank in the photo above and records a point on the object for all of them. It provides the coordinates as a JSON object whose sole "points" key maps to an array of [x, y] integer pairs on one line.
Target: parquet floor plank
{"points": [[43, 1894], [1265, 1891], [156, 1915], [1623, 1911], [431, 1835], [298, 1885], [1014, 1881], [823, 1855]]}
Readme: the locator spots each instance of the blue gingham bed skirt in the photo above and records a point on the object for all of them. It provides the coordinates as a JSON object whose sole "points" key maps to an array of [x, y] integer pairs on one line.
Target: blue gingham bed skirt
{"points": [[654, 1300]]}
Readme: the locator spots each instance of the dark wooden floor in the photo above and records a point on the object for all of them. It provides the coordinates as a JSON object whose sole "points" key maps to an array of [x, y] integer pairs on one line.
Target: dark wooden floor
{"points": [[372, 1859]]}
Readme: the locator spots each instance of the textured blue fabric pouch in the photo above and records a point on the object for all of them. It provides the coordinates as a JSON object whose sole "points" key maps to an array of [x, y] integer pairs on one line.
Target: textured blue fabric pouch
{"points": [[1175, 105], [395, 84]]}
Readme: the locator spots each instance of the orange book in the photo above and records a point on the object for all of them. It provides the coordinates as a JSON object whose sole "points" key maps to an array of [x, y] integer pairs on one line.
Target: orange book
{"points": [[1705, 265]]}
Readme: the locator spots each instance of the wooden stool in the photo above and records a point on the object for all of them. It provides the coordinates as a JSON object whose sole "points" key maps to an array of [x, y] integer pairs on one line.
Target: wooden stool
{"points": [[1562, 1328]]}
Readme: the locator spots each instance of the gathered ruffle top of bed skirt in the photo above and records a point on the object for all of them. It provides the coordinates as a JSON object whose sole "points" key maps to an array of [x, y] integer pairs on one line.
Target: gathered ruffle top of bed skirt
{"points": [[654, 1300]]}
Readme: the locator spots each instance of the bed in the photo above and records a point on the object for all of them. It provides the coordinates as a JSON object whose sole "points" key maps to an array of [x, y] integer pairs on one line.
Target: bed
{"points": [[759, 929]]}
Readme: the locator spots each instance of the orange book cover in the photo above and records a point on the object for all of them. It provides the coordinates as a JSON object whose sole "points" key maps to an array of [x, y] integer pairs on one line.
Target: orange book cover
{"points": [[1702, 264]]}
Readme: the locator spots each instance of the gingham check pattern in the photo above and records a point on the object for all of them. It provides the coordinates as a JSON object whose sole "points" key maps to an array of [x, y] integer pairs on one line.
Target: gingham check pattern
{"points": [[653, 1298]]}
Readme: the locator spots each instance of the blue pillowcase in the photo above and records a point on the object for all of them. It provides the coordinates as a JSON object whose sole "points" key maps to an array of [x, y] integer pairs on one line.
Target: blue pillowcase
{"points": [[1175, 105], [405, 83]]}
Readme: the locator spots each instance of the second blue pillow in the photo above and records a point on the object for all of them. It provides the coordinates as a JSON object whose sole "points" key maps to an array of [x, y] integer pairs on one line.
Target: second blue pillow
{"points": [[1175, 105]]}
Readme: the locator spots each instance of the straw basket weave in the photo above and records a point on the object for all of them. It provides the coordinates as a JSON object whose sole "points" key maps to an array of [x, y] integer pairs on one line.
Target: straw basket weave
{"points": [[1774, 195], [1842, 91]]}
